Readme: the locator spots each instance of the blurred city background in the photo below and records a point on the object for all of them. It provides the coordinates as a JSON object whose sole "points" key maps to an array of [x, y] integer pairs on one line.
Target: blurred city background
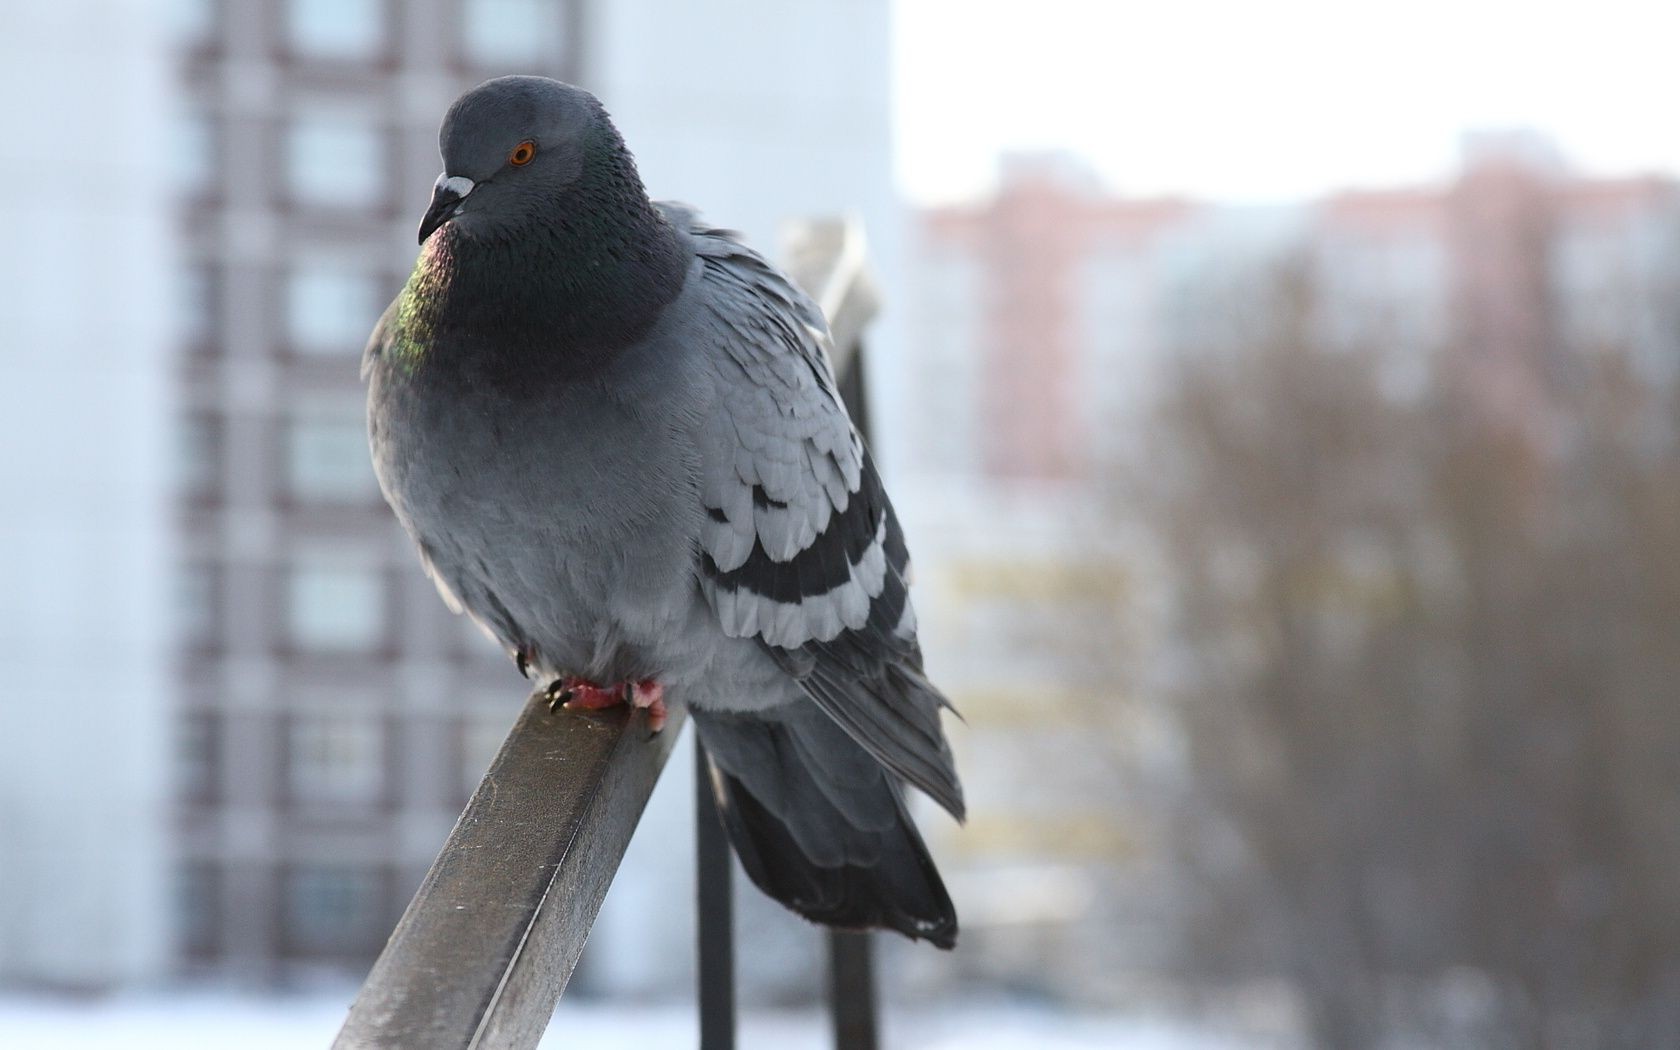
{"points": [[1284, 408]]}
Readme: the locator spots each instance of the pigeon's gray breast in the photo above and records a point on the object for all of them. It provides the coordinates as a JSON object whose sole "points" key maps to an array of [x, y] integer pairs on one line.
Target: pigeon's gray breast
{"points": [[560, 514]]}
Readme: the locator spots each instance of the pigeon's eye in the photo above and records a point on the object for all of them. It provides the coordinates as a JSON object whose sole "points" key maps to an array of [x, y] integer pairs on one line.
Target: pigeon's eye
{"points": [[523, 153]]}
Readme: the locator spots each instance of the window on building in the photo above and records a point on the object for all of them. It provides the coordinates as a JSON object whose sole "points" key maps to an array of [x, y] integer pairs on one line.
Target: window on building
{"points": [[340, 29], [194, 155], [497, 32], [196, 748], [481, 737], [195, 305], [196, 615], [335, 608], [332, 909], [335, 159], [198, 457], [197, 908], [331, 308], [327, 458], [336, 757], [192, 22]]}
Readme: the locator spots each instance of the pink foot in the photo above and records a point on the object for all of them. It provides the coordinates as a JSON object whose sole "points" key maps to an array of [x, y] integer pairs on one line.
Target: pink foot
{"points": [[580, 695], [576, 694], [650, 694]]}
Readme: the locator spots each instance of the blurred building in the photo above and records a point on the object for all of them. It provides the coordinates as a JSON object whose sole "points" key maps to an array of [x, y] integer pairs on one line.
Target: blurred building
{"points": [[1508, 266], [85, 411], [1043, 320], [1026, 596], [1040, 317], [1043, 314], [333, 714]]}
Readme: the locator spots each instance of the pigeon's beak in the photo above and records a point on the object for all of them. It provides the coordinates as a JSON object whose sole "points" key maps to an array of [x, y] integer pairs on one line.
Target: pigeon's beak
{"points": [[447, 195]]}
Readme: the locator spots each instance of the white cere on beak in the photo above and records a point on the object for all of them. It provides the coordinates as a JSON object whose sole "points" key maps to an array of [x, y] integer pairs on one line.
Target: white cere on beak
{"points": [[459, 185]]}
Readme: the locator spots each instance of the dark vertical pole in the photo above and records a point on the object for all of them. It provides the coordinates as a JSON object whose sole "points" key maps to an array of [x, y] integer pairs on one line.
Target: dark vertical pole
{"points": [[851, 990], [852, 392], [714, 922], [851, 960]]}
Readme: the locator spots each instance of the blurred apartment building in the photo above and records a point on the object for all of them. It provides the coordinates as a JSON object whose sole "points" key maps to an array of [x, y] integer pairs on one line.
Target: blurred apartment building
{"points": [[1043, 319], [332, 714], [1050, 307], [85, 413]]}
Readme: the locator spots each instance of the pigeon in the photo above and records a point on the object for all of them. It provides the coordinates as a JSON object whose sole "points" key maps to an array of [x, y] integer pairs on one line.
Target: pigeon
{"points": [[614, 434]]}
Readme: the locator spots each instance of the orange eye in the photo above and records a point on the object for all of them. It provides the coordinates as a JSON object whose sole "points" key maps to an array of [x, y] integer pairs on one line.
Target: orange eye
{"points": [[523, 153]]}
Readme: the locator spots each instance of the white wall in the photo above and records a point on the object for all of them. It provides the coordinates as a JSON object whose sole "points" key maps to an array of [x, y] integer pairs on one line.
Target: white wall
{"points": [[83, 555]]}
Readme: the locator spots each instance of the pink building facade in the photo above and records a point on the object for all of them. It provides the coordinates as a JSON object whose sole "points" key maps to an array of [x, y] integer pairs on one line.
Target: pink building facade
{"points": [[1050, 306]]}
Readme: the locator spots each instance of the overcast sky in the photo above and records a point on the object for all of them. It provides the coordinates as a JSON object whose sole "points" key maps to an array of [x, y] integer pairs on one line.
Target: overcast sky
{"points": [[1276, 100]]}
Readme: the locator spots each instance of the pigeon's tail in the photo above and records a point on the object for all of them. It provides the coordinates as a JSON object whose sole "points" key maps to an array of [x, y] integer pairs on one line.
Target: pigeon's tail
{"points": [[820, 826]]}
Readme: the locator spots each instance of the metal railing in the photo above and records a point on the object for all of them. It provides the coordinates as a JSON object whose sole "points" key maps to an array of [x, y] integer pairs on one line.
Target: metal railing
{"points": [[484, 950]]}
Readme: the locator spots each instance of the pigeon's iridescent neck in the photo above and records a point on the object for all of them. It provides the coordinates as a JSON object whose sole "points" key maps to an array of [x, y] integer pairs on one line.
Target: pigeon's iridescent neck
{"points": [[421, 304], [560, 300]]}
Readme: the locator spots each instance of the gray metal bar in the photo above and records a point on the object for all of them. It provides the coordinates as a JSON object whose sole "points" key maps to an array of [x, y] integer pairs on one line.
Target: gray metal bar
{"points": [[486, 946], [851, 991], [714, 925], [850, 955], [851, 970]]}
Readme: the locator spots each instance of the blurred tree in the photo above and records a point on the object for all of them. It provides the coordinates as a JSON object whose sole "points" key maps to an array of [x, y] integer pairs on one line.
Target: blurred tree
{"points": [[1425, 656]]}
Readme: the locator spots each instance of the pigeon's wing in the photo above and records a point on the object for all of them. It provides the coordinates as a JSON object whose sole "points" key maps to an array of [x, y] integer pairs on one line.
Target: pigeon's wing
{"points": [[801, 549]]}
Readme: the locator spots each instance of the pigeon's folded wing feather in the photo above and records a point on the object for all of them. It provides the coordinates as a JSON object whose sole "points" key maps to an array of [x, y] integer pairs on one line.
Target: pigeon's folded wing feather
{"points": [[800, 548]]}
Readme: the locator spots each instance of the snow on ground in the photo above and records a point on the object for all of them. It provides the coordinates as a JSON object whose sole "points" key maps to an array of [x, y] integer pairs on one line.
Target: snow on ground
{"points": [[219, 1020]]}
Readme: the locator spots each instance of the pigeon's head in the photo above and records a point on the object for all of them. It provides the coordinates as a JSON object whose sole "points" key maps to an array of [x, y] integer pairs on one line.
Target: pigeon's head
{"points": [[511, 148]]}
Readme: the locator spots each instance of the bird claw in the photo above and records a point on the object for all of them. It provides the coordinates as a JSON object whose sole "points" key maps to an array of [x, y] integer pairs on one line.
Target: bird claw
{"points": [[575, 694]]}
